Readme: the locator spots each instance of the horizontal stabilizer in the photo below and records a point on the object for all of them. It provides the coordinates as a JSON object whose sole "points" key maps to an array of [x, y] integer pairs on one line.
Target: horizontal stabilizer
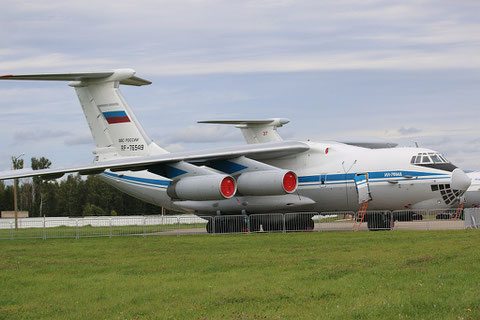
{"points": [[125, 76], [278, 122], [256, 130]]}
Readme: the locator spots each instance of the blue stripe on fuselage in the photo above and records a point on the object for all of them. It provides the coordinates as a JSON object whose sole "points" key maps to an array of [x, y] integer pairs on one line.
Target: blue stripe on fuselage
{"points": [[155, 182], [375, 176]]}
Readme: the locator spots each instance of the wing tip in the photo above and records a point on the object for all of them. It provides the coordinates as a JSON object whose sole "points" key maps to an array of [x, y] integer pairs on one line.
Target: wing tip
{"points": [[7, 76]]}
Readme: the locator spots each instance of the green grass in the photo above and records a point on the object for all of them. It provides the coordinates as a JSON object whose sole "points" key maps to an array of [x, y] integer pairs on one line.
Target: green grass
{"points": [[329, 275]]}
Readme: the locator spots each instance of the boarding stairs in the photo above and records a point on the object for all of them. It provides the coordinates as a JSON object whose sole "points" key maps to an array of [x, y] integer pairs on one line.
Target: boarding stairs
{"points": [[458, 213], [360, 216]]}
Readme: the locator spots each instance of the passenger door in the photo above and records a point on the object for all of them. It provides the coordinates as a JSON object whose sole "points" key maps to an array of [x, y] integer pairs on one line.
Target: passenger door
{"points": [[363, 189]]}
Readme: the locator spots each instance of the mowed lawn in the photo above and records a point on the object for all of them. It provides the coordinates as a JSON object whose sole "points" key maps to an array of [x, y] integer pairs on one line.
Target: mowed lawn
{"points": [[320, 275]]}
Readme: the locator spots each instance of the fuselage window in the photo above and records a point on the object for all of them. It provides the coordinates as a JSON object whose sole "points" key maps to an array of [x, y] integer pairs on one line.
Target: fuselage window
{"points": [[413, 159], [419, 159], [426, 159]]}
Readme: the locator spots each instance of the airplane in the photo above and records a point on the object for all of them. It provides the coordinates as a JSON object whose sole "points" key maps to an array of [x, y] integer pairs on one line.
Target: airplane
{"points": [[472, 195], [266, 175]]}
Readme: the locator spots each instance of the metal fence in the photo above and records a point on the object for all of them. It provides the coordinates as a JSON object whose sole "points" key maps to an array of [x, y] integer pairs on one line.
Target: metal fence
{"points": [[64, 227]]}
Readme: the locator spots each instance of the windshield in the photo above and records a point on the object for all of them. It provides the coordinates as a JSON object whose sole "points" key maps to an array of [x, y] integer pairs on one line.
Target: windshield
{"points": [[428, 158]]}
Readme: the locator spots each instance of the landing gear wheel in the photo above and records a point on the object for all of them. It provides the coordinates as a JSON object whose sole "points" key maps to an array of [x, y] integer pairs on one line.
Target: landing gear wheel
{"points": [[301, 224], [417, 217], [254, 224], [309, 225], [379, 222], [209, 226], [270, 224], [237, 224], [221, 224]]}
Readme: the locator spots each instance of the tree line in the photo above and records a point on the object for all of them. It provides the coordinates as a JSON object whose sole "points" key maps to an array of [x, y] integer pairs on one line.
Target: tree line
{"points": [[72, 196]]}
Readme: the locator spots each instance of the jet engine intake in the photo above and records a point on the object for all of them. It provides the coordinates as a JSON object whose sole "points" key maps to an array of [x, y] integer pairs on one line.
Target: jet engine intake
{"points": [[204, 187], [267, 183]]}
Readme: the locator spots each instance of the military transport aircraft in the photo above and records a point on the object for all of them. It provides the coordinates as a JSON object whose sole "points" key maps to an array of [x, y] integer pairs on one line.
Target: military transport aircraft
{"points": [[265, 175]]}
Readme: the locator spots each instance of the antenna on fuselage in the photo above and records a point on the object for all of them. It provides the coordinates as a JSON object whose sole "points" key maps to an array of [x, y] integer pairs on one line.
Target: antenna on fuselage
{"points": [[343, 166], [416, 144]]}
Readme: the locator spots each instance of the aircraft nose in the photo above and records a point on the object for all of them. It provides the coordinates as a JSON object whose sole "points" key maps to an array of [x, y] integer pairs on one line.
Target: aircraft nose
{"points": [[460, 181]]}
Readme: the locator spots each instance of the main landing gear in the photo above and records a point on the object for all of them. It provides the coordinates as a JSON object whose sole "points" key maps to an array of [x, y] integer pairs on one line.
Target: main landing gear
{"points": [[300, 224], [377, 221], [226, 224], [236, 224]]}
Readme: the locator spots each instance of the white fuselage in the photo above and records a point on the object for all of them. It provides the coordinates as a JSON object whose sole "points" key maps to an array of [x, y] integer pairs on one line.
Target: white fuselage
{"points": [[472, 196], [326, 183]]}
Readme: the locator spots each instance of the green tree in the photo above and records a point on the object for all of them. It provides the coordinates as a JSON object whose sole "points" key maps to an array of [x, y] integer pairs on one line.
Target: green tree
{"points": [[92, 210], [71, 196], [38, 185], [3, 202]]}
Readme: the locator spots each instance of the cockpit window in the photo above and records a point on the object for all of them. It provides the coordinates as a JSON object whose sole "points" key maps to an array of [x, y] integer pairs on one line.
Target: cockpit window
{"points": [[428, 158], [436, 159]]}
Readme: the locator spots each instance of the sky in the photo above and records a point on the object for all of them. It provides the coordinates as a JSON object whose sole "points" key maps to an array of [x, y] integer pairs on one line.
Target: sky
{"points": [[393, 71]]}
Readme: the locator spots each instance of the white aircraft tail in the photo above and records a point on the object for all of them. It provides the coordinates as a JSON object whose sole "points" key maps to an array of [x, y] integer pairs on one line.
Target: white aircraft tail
{"points": [[114, 127]]}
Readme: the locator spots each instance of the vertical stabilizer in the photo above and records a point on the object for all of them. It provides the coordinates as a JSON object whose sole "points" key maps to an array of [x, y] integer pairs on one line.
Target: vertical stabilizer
{"points": [[114, 127]]}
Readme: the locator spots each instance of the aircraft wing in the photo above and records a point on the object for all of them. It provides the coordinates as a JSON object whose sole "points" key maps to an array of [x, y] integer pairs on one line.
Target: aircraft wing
{"points": [[373, 145], [257, 152]]}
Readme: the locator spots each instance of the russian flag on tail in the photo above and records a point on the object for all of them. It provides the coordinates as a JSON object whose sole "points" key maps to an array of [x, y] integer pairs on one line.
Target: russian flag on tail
{"points": [[116, 117]]}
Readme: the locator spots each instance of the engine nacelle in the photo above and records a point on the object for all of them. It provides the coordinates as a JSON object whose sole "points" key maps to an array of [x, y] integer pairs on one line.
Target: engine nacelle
{"points": [[205, 187], [267, 183]]}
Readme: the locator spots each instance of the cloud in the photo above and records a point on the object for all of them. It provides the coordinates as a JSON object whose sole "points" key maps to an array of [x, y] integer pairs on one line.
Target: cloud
{"points": [[241, 37], [40, 135], [200, 134], [408, 131], [300, 62], [174, 147], [81, 139]]}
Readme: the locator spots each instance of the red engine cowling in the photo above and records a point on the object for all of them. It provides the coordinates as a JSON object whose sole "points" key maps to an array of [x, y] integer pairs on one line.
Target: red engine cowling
{"points": [[267, 183], [205, 187]]}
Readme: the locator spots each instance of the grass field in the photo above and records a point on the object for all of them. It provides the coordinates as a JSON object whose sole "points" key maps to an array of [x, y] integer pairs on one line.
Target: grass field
{"points": [[320, 275]]}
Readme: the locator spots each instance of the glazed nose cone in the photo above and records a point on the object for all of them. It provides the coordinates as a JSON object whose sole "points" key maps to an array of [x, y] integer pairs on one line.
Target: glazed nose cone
{"points": [[460, 181]]}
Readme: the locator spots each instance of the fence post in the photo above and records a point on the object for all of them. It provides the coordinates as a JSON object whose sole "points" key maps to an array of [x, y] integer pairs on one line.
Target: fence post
{"points": [[11, 230], [213, 224], [428, 220], [284, 228], [248, 224], [44, 234], [178, 226], [110, 227], [144, 226], [76, 228], [392, 221]]}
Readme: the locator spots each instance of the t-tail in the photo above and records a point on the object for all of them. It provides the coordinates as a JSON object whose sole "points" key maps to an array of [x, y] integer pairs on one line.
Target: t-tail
{"points": [[114, 127]]}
